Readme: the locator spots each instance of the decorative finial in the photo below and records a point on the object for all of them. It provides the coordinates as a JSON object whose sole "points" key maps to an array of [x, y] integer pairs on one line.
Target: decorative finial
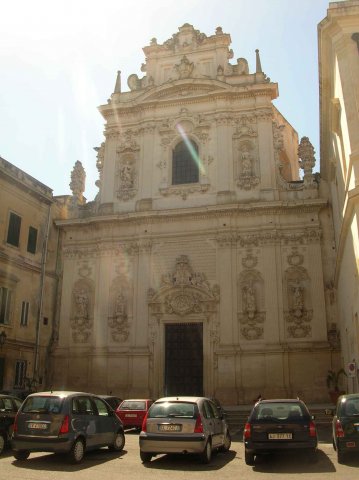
{"points": [[258, 62], [307, 160], [77, 184], [219, 31], [118, 82]]}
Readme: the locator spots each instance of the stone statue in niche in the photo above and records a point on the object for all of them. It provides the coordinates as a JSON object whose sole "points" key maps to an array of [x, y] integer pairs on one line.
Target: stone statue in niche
{"points": [[297, 299], [249, 300], [81, 305], [119, 321], [127, 175], [246, 161]]}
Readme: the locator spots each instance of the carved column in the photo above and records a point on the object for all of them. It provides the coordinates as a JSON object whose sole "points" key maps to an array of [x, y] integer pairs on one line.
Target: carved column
{"points": [[146, 170]]}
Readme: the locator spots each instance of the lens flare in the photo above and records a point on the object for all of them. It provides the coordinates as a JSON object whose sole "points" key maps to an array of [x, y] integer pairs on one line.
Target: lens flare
{"points": [[191, 149]]}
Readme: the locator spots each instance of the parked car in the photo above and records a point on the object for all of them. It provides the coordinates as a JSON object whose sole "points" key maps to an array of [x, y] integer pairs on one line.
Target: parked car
{"points": [[65, 422], [279, 425], [114, 402], [346, 426], [183, 425], [9, 405], [131, 412]]}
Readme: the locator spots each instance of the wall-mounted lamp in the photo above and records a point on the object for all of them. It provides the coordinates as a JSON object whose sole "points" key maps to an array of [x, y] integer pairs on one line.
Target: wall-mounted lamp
{"points": [[2, 338]]}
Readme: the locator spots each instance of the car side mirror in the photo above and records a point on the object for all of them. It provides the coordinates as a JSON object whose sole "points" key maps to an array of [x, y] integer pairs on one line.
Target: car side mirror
{"points": [[312, 417]]}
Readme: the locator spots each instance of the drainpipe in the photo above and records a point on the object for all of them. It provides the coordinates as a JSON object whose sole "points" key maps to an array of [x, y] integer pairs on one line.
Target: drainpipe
{"points": [[41, 299]]}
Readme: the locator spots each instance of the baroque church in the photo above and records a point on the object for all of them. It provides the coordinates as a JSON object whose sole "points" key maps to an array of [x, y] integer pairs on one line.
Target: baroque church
{"points": [[204, 265], [213, 260]]}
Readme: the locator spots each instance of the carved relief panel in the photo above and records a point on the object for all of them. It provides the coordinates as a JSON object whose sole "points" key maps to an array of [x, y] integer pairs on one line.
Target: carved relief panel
{"points": [[246, 165], [251, 312], [126, 172], [82, 304], [298, 312], [118, 311]]}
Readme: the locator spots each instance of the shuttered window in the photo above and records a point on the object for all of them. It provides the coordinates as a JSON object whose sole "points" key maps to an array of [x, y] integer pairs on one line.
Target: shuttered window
{"points": [[32, 240], [13, 233], [5, 299], [24, 314]]}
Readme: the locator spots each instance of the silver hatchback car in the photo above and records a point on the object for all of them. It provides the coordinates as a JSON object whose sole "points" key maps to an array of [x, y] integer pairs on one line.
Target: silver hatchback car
{"points": [[184, 425]]}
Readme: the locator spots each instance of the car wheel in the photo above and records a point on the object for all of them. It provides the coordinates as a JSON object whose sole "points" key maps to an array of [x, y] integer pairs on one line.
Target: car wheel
{"points": [[145, 457], [76, 454], [206, 455], [340, 456], [119, 442], [2, 443], [249, 458], [227, 442], [21, 454]]}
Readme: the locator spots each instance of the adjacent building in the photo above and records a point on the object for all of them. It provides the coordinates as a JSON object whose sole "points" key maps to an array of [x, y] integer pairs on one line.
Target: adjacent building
{"points": [[28, 250], [338, 36]]}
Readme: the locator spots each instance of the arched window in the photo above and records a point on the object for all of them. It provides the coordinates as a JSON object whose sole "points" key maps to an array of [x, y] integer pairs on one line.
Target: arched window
{"points": [[185, 163]]}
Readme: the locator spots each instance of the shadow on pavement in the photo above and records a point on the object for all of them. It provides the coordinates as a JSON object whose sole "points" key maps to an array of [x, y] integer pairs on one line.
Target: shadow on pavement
{"points": [[190, 462], [294, 462], [56, 462]]}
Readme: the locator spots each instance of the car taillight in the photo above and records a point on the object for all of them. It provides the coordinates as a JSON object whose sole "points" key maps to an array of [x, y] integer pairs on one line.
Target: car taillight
{"points": [[65, 425], [198, 428], [14, 429], [144, 423], [247, 431], [312, 430], [339, 432]]}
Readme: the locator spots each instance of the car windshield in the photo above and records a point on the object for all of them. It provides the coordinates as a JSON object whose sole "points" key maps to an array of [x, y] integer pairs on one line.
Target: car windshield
{"points": [[172, 409], [42, 404], [280, 411], [133, 405]]}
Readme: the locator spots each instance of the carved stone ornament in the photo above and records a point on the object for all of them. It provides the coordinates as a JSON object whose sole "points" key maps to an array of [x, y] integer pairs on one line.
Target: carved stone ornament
{"points": [[251, 285], [246, 177], [126, 178], [118, 322], [185, 68], [298, 315], [81, 308], [183, 291], [307, 162], [77, 184], [184, 190], [250, 261], [295, 258]]}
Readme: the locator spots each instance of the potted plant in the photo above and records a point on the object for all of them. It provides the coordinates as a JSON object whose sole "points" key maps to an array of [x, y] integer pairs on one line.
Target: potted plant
{"points": [[333, 380]]}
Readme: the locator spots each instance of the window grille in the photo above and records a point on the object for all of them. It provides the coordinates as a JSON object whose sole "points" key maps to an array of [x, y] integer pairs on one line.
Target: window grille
{"points": [[20, 373]]}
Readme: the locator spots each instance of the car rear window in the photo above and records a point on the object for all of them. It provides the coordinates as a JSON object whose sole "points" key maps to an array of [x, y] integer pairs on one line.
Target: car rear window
{"points": [[42, 404], [133, 405], [282, 411], [173, 409], [350, 407]]}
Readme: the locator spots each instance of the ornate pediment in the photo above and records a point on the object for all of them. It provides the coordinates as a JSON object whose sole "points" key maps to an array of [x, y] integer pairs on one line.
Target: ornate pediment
{"points": [[183, 291], [183, 88]]}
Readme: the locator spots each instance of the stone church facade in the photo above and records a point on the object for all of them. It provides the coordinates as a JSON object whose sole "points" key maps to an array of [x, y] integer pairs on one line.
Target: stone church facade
{"points": [[205, 263]]}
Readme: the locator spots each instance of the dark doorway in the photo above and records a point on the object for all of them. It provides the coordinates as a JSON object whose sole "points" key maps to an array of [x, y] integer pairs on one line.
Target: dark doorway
{"points": [[184, 359]]}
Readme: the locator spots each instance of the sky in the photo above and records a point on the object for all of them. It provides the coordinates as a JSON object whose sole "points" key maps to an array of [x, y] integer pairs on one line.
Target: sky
{"points": [[59, 62]]}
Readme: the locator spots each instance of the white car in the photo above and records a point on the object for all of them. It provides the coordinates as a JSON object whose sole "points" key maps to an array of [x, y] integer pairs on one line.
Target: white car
{"points": [[184, 425]]}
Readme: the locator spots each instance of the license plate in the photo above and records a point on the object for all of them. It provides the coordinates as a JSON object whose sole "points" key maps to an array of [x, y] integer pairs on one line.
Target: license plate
{"points": [[130, 415], [37, 426], [280, 436], [170, 428], [350, 444]]}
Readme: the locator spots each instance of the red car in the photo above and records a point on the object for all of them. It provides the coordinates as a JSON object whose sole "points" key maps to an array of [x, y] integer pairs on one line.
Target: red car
{"points": [[132, 412]]}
